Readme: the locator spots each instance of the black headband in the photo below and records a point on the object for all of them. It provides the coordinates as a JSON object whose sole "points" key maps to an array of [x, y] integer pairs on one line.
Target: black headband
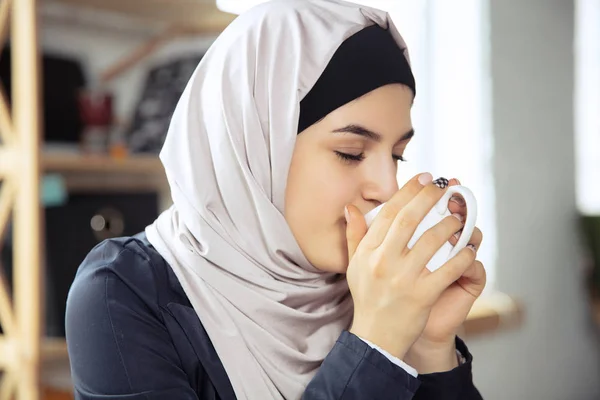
{"points": [[365, 61]]}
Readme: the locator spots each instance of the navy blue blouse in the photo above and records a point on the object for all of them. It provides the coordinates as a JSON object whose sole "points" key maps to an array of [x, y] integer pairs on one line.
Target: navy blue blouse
{"points": [[132, 334]]}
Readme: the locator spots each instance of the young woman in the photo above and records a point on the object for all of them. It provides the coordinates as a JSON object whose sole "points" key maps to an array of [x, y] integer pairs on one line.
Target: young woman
{"points": [[261, 281]]}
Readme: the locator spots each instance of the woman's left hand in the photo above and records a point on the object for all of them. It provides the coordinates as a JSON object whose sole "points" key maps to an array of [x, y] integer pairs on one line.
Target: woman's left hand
{"points": [[435, 350]]}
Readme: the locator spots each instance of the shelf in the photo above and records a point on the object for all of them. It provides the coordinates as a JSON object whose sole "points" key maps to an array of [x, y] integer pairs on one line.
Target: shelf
{"points": [[199, 15], [493, 312], [102, 174], [596, 310], [54, 349], [56, 370], [74, 162]]}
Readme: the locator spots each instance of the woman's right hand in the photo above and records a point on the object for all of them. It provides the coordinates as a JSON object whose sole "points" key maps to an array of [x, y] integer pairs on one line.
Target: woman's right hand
{"points": [[392, 289]]}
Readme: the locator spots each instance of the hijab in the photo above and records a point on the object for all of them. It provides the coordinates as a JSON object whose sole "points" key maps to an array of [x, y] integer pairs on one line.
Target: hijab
{"points": [[271, 316]]}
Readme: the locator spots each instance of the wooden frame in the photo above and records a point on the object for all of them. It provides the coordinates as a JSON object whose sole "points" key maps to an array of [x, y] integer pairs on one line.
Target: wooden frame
{"points": [[20, 172]]}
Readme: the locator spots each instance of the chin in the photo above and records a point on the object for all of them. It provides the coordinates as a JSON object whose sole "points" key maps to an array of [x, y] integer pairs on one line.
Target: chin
{"points": [[334, 261], [328, 252], [331, 267]]}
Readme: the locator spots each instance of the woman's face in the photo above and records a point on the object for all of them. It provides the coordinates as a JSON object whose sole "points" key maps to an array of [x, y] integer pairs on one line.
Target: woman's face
{"points": [[349, 157]]}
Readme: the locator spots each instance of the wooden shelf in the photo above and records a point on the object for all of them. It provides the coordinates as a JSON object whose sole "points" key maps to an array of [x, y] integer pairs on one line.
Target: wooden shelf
{"points": [[596, 309], [74, 162], [493, 312], [54, 349], [198, 15], [98, 174]]}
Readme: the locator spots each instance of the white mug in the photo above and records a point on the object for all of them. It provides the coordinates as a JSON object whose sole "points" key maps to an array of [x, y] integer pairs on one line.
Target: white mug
{"points": [[436, 215]]}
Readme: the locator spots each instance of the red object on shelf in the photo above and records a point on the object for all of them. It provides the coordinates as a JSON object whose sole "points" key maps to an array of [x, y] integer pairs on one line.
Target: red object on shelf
{"points": [[96, 107]]}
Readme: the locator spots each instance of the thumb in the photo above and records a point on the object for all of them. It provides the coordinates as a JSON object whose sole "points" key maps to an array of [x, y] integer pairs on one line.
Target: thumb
{"points": [[473, 280], [356, 229]]}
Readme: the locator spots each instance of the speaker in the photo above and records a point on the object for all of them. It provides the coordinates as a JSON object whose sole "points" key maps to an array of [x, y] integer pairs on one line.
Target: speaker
{"points": [[74, 229], [64, 77]]}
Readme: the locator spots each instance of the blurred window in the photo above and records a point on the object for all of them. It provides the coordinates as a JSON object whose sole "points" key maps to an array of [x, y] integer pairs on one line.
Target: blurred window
{"points": [[587, 104]]}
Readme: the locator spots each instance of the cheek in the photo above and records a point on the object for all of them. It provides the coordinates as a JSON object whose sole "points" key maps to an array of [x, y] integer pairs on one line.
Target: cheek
{"points": [[315, 198], [316, 218], [333, 188], [320, 195], [318, 189]]}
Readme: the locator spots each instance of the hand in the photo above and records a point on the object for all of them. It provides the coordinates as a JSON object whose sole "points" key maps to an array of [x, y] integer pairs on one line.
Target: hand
{"points": [[392, 290], [435, 349]]}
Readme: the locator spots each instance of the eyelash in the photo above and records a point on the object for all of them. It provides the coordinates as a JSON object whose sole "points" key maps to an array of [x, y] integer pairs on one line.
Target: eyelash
{"points": [[351, 158]]}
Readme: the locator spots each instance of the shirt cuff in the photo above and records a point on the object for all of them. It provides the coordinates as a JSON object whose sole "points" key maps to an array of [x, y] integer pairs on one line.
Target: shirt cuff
{"points": [[461, 359], [394, 360]]}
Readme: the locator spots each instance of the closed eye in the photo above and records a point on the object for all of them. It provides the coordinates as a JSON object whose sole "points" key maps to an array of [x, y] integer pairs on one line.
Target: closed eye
{"points": [[350, 158]]}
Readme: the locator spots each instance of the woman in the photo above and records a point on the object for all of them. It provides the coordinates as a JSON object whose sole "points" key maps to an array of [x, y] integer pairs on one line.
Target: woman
{"points": [[262, 282]]}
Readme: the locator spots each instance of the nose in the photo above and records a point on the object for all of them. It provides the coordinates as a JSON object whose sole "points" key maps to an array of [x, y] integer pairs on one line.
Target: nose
{"points": [[380, 183]]}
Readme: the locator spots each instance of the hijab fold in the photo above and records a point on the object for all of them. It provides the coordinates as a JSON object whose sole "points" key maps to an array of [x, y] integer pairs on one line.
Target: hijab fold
{"points": [[271, 316]]}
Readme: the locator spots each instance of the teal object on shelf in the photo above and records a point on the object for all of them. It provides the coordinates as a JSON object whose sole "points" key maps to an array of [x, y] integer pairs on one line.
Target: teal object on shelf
{"points": [[54, 190]]}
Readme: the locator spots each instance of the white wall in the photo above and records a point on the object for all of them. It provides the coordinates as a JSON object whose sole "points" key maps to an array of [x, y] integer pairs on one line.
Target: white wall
{"points": [[555, 355]]}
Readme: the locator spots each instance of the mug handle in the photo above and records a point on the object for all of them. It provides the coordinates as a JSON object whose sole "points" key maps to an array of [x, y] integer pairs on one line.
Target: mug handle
{"points": [[471, 203]]}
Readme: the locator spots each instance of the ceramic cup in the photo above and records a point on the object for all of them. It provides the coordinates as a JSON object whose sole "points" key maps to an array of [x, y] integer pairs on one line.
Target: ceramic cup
{"points": [[436, 215]]}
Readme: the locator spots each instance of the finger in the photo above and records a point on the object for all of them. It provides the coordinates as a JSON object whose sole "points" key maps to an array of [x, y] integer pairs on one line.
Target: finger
{"points": [[453, 182], [476, 238], [382, 222], [404, 225], [457, 205], [474, 279], [452, 270], [434, 238], [356, 228]]}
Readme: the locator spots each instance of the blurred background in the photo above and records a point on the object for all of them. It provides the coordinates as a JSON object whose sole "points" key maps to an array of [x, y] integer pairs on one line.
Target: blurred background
{"points": [[508, 101]]}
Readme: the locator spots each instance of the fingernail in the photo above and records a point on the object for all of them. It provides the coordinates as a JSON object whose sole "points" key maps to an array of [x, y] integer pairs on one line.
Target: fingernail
{"points": [[458, 216], [425, 179], [347, 214], [456, 179], [458, 200], [457, 234], [442, 183], [472, 247]]}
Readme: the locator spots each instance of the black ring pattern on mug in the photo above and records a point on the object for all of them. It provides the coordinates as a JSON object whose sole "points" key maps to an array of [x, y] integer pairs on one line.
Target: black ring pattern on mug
{"points": [[442, 183]]}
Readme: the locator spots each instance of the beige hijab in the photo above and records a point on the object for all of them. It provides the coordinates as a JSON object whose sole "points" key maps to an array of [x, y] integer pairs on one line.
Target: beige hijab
{"points": [[271, 316]]}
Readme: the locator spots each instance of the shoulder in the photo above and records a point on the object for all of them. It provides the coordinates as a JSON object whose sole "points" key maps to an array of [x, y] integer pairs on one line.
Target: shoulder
{"points": [[121, 336], [128, 264]]}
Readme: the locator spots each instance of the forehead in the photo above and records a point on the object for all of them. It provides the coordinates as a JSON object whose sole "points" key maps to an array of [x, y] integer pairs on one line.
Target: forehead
{"points": [[382, 109]]}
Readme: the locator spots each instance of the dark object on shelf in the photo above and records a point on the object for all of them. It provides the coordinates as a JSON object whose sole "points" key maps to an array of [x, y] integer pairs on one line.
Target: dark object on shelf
{"points": [[164, 86], [74, 229], [590, 227], [63, 78]]}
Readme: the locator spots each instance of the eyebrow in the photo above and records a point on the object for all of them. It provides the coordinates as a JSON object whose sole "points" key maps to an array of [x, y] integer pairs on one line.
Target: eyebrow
{"points": [[369, 134]]}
